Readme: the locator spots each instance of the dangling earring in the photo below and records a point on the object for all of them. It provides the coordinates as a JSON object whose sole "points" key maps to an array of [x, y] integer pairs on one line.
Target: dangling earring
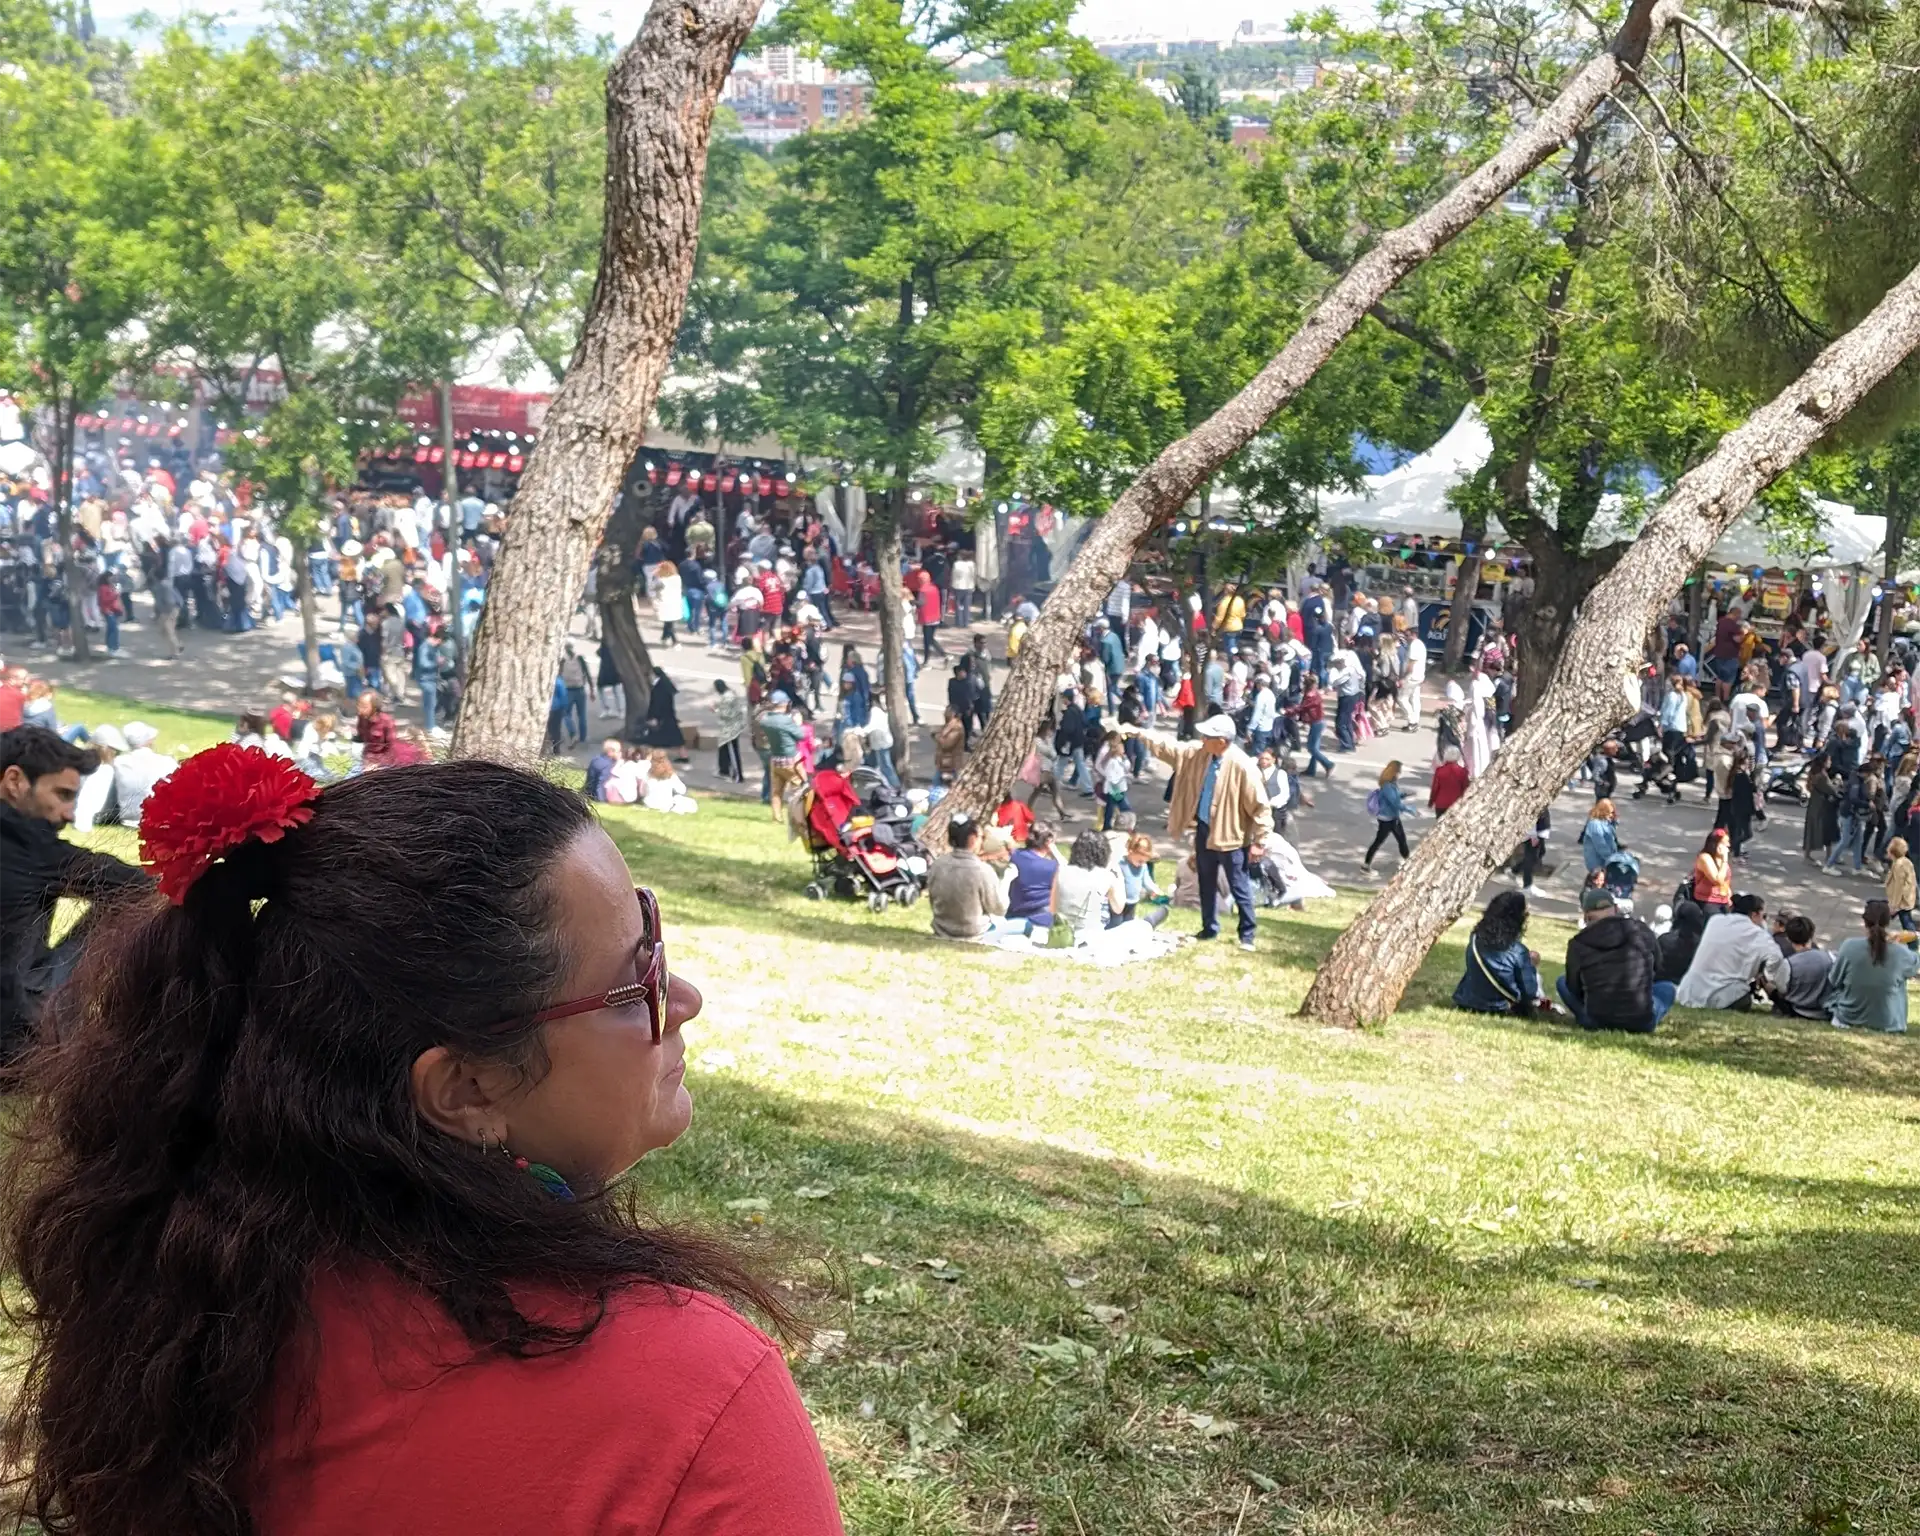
{"points": [[549, 1179]]}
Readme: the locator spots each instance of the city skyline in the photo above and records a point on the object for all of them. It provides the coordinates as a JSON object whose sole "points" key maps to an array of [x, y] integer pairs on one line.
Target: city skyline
{"points": [[1105, 20]]}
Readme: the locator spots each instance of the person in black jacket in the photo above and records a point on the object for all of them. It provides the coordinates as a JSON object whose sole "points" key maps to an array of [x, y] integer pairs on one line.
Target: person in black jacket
{"points": [[1609, 981], [1679, 942], [39, 780]]}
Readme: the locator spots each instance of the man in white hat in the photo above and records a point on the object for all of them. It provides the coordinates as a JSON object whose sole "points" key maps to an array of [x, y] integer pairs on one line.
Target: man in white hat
{"points": [[138, 769], [1217, 791]]}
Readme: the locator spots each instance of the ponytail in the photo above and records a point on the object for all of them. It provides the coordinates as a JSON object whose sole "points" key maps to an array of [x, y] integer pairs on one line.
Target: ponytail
{"points": [[1877, 916]]}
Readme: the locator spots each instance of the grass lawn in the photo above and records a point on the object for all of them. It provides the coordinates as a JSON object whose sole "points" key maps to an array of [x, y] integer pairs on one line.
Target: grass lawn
{"points": [[182, 731], [1094, 1252], [1137, 1251]]}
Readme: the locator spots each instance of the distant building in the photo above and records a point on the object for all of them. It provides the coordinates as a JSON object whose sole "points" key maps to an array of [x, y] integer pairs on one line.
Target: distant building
{"points": [[780, 93]]}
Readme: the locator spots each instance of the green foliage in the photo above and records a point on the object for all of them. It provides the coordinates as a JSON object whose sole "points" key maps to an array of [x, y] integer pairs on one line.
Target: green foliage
{"points": [[1198, 95], [467, 148], [77, 263], [873, 284]]}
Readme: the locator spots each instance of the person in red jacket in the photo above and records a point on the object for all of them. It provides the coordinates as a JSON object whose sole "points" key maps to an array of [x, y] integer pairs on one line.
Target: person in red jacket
{"points": [[1449, 782], [367, 1259], [930, 603]]}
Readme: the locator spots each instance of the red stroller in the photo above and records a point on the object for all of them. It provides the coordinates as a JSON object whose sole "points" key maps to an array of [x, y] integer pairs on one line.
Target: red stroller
{"points": [[851, 854]]}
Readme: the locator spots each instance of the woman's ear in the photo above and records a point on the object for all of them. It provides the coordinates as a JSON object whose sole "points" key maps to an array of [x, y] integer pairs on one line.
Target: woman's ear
{"points": [[467, 1100]]}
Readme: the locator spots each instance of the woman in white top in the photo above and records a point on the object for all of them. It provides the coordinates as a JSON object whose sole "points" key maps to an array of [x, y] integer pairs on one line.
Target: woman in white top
{"points": [[664, 790], [1089, 897]]}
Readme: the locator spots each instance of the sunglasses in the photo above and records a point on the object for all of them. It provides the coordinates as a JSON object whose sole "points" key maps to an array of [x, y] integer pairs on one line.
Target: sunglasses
{"points": [[651, 987]]}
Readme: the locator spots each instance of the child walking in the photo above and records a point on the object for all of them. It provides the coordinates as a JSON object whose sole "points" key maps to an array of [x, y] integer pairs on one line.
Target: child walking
{"points": [[1116, 777], [1901, 897], [1385, 806]]}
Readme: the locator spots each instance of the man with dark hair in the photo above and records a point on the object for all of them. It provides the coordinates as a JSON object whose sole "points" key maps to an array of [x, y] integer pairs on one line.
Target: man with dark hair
{"points": [[1611, 961], [39, 782], [1808, 968]]}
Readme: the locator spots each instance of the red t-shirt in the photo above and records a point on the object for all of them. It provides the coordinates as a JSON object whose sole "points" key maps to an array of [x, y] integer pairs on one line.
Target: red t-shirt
{"points": [[675, 1418], [931, 602], [774, 594], [13, 706]]}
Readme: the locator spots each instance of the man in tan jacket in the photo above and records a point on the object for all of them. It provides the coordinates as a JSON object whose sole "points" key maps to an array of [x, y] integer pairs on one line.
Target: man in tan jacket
{"points": [[1217, 792]]}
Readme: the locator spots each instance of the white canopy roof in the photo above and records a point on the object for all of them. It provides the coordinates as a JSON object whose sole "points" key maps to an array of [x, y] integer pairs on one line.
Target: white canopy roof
{"points": [[1411, 501]]}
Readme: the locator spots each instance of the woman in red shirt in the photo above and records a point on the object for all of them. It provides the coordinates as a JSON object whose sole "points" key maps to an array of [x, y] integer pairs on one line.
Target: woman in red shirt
{"points": [[317, 1217]]}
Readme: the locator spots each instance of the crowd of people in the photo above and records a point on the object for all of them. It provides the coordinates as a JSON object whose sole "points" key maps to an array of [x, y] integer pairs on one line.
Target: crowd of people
{"points": [[1625, 974]]}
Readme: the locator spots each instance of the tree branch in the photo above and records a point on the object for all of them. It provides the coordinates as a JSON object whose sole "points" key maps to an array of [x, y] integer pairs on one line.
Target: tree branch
{"points": [[1801, 127]]}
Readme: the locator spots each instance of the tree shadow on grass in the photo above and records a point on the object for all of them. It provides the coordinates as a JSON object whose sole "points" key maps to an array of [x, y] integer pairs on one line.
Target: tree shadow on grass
{"points": [[1374, 1378]]}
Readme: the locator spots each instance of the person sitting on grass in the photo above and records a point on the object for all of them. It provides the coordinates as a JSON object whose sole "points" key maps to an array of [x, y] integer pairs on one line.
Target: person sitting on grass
{"points": [[1502, 975], [1144, 899], [1868, 985], [1030, 895], [1678, 943], [1611, 965], [389, 1204], [965, 895], [1736, 954], [664, 789], [39, 784], [600, 768], [1809, 969]]}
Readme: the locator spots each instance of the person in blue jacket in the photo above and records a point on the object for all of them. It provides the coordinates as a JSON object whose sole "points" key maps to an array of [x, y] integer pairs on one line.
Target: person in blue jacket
{"points": [[1386, 805], [1502, 974], [1600, 837]]}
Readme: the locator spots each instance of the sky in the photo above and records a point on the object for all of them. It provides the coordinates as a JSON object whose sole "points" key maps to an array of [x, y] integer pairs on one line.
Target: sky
{"points": [[1173, 19]]}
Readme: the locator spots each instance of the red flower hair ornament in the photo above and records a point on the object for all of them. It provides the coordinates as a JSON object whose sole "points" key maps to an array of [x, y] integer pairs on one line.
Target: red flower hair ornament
{"points": [[213, 803]]}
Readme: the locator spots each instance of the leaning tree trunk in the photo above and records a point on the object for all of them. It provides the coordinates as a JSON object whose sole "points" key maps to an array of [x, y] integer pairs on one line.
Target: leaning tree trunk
{"points": [[1560, 582], [1593, 688], [894, 634], [660, 95], [1184, 466], [619, 618]]}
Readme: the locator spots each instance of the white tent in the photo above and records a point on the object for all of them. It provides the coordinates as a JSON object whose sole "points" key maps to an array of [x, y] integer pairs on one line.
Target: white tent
{"points": [[18, 458], [1411, 501]]}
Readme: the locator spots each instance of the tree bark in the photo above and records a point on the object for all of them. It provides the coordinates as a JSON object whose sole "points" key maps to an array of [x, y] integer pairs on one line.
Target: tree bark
{"points": [[1560, 582], [660, 96], [1184, 466], [619, 618], [1460, 613], [64, 417], [894, 634], [309, 615], [1593, 687]]}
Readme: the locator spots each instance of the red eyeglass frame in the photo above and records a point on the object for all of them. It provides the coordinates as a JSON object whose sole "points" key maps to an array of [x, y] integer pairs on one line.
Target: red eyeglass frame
{"points": [[652, 984]]}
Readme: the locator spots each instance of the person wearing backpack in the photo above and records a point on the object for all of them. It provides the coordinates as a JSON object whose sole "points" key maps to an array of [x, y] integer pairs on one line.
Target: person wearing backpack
{"points": [[1385, 806]]}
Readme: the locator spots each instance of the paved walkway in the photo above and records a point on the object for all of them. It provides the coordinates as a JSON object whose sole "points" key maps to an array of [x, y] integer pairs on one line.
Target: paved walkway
{"points": [[227, 673]]}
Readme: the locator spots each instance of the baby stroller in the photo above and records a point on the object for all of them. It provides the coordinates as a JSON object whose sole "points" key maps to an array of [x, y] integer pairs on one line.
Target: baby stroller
{"points": [[853, 854], [1784, 783], [1620, 874]]}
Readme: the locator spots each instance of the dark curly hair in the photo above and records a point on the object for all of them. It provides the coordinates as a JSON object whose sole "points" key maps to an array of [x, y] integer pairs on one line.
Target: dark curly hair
{"points": [[1503, 922], [231, 1109]]}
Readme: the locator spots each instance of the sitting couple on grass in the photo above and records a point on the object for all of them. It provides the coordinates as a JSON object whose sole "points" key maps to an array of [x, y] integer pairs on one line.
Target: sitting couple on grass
{"points": [[1609, 979]]}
